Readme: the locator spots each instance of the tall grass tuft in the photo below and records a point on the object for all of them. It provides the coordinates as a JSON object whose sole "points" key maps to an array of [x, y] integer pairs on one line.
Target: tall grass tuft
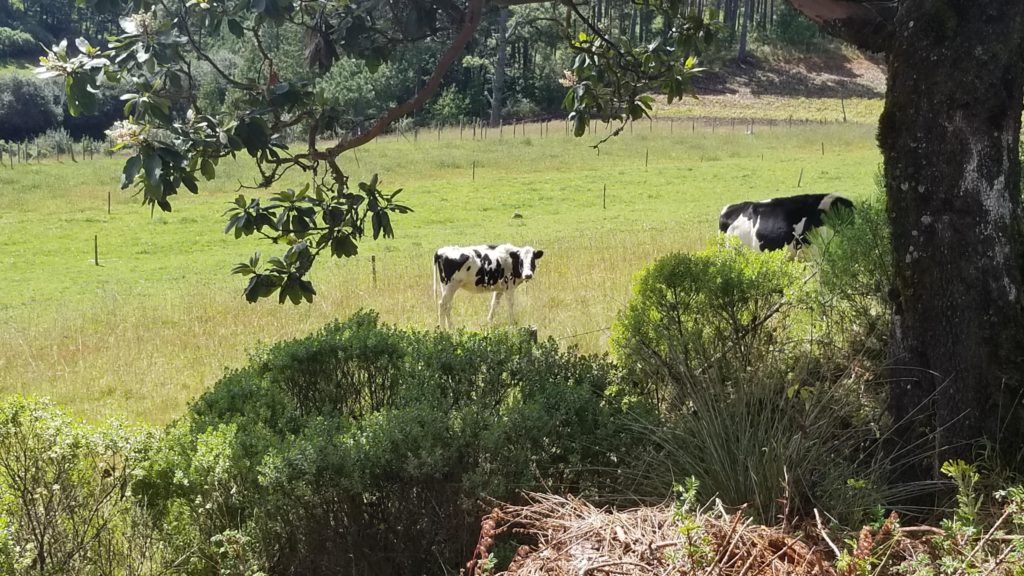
{"points": [[767, 405]]}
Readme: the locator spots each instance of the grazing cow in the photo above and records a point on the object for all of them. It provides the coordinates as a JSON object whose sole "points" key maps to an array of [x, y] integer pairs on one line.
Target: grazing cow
{"points": [[491, 268], [778, 222]]}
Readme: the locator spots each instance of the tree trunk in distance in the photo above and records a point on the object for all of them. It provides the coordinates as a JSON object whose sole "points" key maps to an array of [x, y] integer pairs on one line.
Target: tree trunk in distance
{"points": [[498, 83]]}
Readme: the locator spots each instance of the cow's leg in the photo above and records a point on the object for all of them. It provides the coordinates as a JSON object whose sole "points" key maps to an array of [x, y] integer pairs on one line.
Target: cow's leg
{"points": [[794, 247], [511, 306], [444, 306], [494, 305]]}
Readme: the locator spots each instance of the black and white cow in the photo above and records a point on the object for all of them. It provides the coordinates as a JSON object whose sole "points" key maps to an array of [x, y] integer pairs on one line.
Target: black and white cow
{"points": [[778, 222], [498, 269]]}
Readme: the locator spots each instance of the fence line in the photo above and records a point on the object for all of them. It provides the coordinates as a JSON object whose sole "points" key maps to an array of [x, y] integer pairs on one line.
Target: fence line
{"points": [[54, 147]]}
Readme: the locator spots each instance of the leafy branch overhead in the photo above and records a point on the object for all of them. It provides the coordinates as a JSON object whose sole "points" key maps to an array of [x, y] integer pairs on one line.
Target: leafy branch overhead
{"points": [[174, 143]]}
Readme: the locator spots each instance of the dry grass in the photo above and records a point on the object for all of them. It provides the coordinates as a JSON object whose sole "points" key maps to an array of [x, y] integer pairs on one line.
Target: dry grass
{"points": [[574, 538], [569, 537]]}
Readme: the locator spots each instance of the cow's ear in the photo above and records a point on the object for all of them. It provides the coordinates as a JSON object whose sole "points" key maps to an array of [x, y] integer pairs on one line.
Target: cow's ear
{"points": [[537, 254]]}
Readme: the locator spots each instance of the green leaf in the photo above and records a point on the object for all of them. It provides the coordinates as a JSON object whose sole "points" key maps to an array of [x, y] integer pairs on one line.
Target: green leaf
{"points": [[376, 223], [235, 27], [261, 286], [131, 170], [579, 127], [189, 181], [243, 268], [207, 168], [153, 165], [343, 245]]}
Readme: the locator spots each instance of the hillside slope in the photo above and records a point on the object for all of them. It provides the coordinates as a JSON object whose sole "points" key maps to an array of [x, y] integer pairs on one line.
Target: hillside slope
{"points": [[830, 87]]}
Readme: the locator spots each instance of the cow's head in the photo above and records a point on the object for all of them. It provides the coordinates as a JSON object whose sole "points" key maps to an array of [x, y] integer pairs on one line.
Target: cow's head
{"points": [[524, 262], [839, 211]]}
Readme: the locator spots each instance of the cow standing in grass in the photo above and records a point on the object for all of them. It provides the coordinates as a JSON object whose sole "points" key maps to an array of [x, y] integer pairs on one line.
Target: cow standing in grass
{"points": [[498, 269], [779, 222]]}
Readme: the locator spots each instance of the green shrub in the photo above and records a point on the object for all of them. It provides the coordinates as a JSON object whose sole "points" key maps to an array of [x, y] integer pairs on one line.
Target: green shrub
{"points": [[17, 44], [28, 106], [521, 108], [725, 342], [368, 449], [718, 311], [449, 106], [66, 503], [366, 94], [795, 30], [855, 275]]}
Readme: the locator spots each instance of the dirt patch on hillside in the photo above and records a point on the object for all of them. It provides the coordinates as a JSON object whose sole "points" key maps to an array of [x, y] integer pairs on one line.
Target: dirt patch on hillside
{"points": [[829, 75]]}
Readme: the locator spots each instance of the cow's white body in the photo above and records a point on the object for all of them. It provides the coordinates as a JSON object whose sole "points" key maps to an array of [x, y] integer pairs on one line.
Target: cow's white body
{"points": [[494, 268]]}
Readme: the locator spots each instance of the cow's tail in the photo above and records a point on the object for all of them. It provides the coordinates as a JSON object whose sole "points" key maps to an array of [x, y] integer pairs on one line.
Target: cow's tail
{"points": [[435, 270]]}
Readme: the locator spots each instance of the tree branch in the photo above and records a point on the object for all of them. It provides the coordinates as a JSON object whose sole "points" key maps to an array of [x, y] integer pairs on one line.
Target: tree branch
{"points": [[597, 31], [199, 51], [473, 10], [867, 24]]}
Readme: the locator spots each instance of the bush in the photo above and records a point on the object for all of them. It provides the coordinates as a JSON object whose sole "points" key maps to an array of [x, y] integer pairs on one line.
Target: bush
{"points": [[521, 109], [17, 44], [366, 94], [28, 106], [795, 30], [855, 276], [719, 311], [449, 106], [724, 341], [365, 449], [66, 503]]}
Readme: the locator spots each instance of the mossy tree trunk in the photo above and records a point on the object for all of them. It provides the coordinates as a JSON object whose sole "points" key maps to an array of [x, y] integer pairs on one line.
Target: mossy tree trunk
{"points": [[950, 136]]}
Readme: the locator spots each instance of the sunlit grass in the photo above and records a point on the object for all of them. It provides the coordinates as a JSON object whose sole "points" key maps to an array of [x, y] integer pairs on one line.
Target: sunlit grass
{"points": [[160, 319], [781, 109]]}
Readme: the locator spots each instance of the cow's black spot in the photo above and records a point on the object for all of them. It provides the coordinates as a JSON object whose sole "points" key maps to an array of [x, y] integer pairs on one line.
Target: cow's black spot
{"points": [[490, 271], [492, 246], [517, 264], [447, 267]]}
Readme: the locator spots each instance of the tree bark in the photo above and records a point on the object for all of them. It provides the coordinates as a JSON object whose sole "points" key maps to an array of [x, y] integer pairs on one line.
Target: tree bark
{"points": [[498, 83], [949, 135], [748, 15]]}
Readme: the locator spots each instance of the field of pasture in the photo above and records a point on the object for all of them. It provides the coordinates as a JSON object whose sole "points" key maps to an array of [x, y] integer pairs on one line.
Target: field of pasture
{"points": [[161, 318]]}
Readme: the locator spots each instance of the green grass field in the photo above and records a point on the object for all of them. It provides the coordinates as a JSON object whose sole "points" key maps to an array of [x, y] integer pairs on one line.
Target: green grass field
{"points": [[161, 318]]}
